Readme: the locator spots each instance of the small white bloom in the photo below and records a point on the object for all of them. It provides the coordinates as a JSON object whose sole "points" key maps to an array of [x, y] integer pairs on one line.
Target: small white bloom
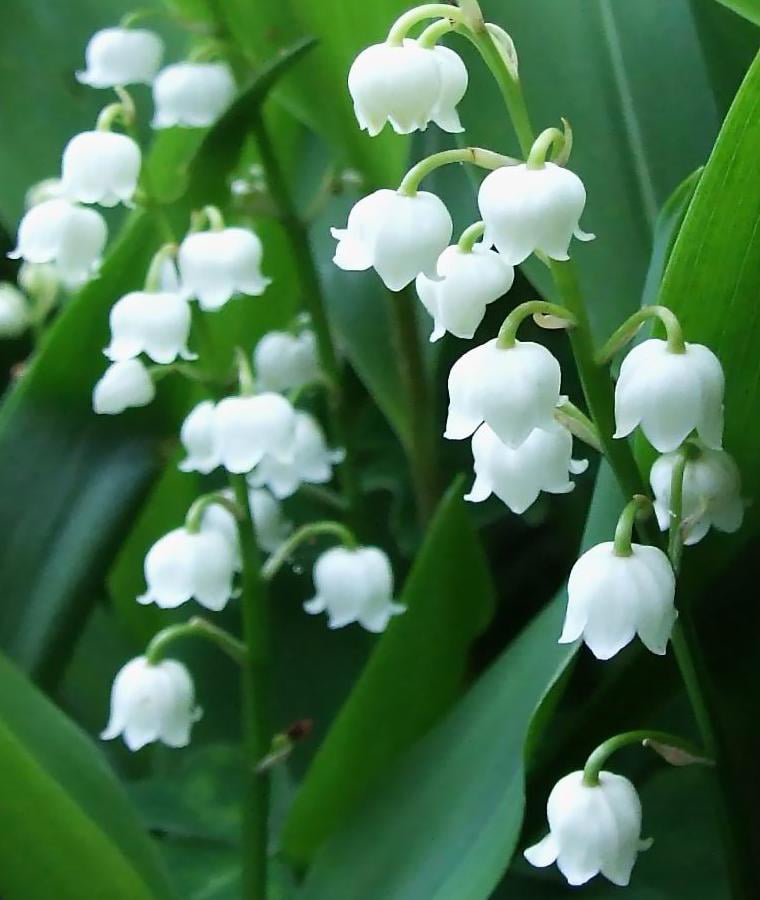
{"points": [[354, 586], [592, 829], [612, 598], [246, 429], [399, 236], [514, 390], [532, 209], [311, 463], [465, 283], [14, 311], [156, 323], [193, 95], [285, 361], [40, 191], [711, 493], [63, 233], [272, 528], [518, 475], [197, 436], [670, 395], [124, 384], [121, 56], [183, 564], [152, 702], [214, 265], [101, 167], [217, 517], [453, 75]]}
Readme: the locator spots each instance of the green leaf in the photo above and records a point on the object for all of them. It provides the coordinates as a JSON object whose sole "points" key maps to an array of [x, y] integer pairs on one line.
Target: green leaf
{"points": [[413, 675], [70, 831], [444, 821], [750, 9]]}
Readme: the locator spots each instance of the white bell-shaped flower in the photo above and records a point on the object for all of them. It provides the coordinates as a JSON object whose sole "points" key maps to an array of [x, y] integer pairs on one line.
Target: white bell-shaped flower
{"points": [[123, 385], [152, 702], [354, 586], [183, 565], [192, 95], [711, 493], [612, 598], [197, 437], [532, 209], [272, 527], [593, 829], [101, 167], [214, 265], [14, 311], [60, 232], [465, 283], [156, 323], [513, 390], [217, 517], [285, 361], [399, 236], [453, 74], [246, 429], [670, 395], [517, 475], [116, 57], [311, 463]]}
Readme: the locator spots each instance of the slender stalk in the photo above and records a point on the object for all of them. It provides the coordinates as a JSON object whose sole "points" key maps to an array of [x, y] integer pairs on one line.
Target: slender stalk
{"points": [[476, 156], [599, 757], [507, 336], [314, 529], [408, 20], [622, 335], [470, 236], [675, 530], [639, 506], [195, 627], [578, 424]]}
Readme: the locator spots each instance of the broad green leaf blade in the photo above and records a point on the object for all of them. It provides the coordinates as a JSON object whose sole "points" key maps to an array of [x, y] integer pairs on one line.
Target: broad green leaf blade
{"points": [[413, 675], [69, 831], [444, 821], [750, 9]]}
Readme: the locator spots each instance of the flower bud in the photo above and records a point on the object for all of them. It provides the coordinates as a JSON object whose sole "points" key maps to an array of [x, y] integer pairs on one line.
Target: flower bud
{"points": [[592, 829], [398, 235], [14, 311], [518, 475], [116, 57], [193, 95], [39, 280], [124, 384], [711, 492], [214, 265], [513, 390], [156, 323], [60, 232], [466, 282], [612, 598], [152, 702], [354, 586], [246, 429], [217, 517], [101, 167], [285, 361], [525, 210], [272, 528], [670, 395], [197, 437]]}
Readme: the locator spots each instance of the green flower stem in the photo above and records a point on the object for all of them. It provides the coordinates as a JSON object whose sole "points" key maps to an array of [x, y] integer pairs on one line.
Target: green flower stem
{"points": [[470, 236], [639, 507], [307, 532], [403, 25], [214, 218], [477, 156], [578, 424], [311, 291], [195, 627], [507, 336], [194, 515], [433, 33], [599, 757], [155, 270], [246, 379], [549, 137], [108, 116], [628, 329]]}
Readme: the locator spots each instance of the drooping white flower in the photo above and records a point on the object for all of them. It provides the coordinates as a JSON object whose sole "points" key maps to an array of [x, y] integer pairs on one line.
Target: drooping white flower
{"points": [[612, 598], [354, 586], [465, 283], [711, 493], [197, 436], [217, 517], [183, 565], [101, 167], [60, 232], [532, 209], [152, 702], [453, 75], [285, 361], [513, 390], [156, 323], [14, 311], [311, 463], [123, 385], [592, 829], [517, 475], [246, 429], [272, 528], [670, 395], [192, 95], [214, 265], [121, 56], [399, 236]]}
